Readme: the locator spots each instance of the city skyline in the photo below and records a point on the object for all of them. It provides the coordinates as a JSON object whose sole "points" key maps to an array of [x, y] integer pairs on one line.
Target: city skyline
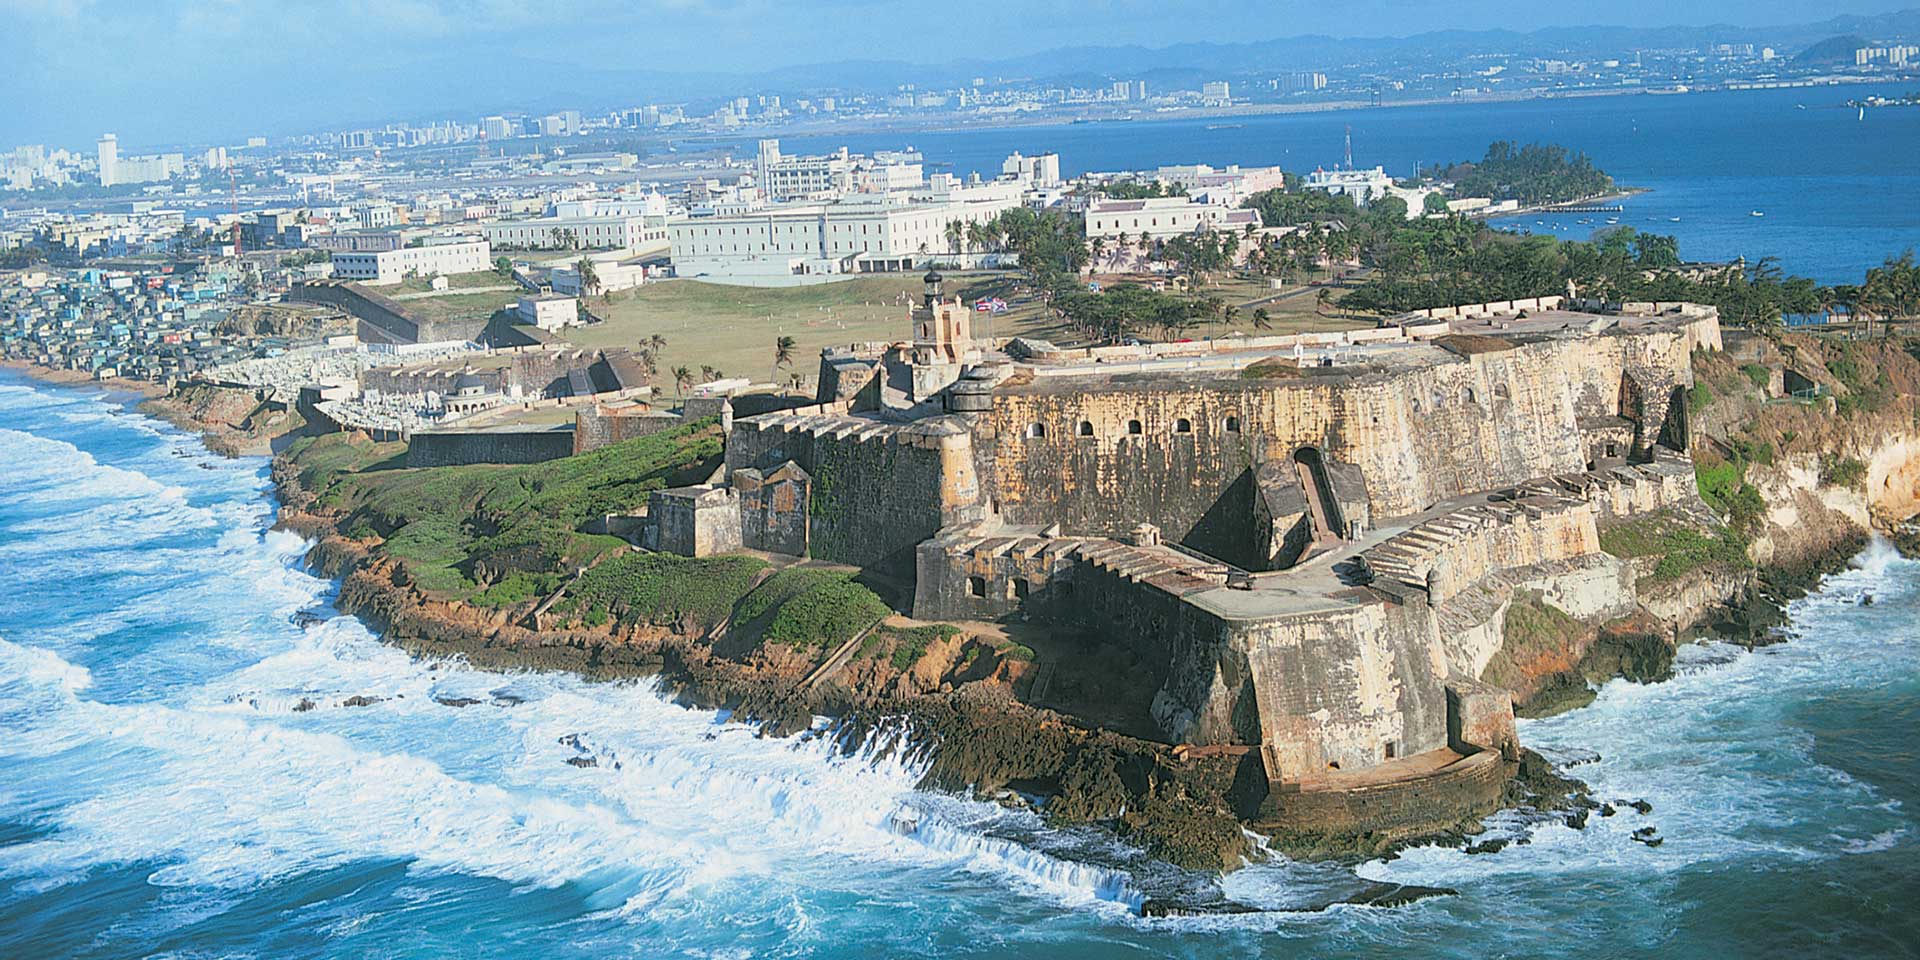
{"points": [[181, 76]]}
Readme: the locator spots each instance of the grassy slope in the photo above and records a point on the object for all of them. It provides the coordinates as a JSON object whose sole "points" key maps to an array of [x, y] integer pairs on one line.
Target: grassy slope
{"points": [[496, 534]]}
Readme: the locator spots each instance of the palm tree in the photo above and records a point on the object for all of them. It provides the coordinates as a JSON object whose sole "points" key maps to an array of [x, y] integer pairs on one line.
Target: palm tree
{"points": [[589, 277], [656, 343], [682, 379], [956, 231], [783, 353], [1320, 301], [1262, 320], [708, 374]]}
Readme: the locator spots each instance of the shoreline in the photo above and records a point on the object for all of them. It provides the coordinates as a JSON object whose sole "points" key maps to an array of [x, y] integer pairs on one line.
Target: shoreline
{"points": [[145, 389], [972, 737]]}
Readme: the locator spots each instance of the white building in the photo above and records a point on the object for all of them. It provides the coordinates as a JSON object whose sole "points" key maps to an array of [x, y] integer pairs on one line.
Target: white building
{"points": [[1041, 171], [108, 149], [1229, 186], [640, 234], [809, 242], [457, 255], [613, 275], [549, 311], [1361, 185], [1159, 217]]}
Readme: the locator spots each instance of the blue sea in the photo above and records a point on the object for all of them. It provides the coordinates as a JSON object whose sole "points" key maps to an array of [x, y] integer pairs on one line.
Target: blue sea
{"points": [[184, 774], [1836, 193]]}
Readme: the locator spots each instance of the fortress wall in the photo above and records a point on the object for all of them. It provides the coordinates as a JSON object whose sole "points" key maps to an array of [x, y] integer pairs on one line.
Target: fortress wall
{"points": [[1468, 789], [595, 427], [1206, 693], [1197, 486], [455, 448], [1420, 436], [1514, 540], [877, 490], [1029, 574], [1342, 687]]}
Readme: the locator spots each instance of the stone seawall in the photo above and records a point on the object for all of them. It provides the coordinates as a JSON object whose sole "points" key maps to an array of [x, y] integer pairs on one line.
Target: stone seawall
{"points": [[1467, 789]]}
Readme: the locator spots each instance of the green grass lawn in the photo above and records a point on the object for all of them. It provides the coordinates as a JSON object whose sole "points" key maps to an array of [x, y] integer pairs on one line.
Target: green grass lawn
{"points": [[455, 281], [495, 534], [733, 328]]}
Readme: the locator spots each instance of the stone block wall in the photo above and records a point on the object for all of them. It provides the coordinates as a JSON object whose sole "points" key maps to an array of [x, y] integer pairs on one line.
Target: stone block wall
{"points": [[877, 490], [693, 521], [1450, 553], [599, 426], [1099, 454], [443, 448], [1480, 717], [1345, 690], [968, 577], [774, 508], [1469, 788]]}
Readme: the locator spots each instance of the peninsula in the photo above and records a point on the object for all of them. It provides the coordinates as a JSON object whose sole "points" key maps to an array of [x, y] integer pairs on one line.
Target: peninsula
{"points": [[1298, 584]]}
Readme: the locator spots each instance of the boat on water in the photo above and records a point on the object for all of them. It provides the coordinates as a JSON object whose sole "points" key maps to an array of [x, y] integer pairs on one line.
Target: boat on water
{"points": [[1756, 213], [1225, 126], [1673, 219]]}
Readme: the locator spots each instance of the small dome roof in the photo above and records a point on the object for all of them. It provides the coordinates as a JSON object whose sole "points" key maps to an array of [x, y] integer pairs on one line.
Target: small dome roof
{"points": [[469, 382], [933, 276]]}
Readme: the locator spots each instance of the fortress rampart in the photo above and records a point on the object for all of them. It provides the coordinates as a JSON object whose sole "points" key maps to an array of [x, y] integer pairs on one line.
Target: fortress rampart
{"points": [[1310, 540]]}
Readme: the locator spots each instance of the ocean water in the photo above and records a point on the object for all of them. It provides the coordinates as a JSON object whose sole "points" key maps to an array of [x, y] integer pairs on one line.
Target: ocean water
{"points": [[181, 776], [1838, 194]]}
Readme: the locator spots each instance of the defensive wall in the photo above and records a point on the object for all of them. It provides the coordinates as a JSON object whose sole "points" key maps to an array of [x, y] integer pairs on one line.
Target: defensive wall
{"points": [[878, 489], [1098, 452], [442, 448], [381, 319]]}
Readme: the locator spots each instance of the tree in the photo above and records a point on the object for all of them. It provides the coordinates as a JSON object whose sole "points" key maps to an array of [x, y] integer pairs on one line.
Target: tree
{"points": [[682, 379], [956, 231], [589, 276], [504, 267], [1435, 202], [1262, 320], [1320, 301], [656, 343], [783, 354]]}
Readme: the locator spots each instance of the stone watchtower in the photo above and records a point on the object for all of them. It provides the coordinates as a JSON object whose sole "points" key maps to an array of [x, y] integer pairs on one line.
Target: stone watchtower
{"points": [[942, 340], [942, 328]]}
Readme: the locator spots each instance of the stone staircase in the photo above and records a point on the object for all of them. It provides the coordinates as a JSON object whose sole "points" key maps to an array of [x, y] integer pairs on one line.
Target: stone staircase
{"points": [[1408, 558]]}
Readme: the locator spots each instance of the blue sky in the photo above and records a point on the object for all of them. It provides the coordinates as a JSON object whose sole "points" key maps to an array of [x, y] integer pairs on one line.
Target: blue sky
{"points": [[180, 70]]}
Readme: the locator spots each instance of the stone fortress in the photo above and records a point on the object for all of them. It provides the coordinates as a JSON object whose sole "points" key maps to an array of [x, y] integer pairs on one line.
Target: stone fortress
{"points": [[1315, 537]]}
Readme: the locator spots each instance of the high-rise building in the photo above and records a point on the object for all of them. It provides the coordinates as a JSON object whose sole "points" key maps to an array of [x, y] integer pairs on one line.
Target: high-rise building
{"points": [[1216, 90], [109, 151], [495, 128]]}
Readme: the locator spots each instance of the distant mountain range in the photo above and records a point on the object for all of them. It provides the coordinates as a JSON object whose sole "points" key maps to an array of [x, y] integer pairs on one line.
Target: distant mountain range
{"points": [[1181, 65]]}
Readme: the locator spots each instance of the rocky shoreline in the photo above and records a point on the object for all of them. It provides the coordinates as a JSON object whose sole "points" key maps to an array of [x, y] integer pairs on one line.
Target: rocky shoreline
{"points": [[1183, 807]]}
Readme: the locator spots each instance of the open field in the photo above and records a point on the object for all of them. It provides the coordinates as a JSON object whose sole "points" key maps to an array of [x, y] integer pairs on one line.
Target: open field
{"points": [[460, 306], [733, 328], [455, 281]]}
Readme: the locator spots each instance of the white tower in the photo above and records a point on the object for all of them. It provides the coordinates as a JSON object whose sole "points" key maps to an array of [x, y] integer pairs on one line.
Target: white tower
{"points": [[109, 147]]}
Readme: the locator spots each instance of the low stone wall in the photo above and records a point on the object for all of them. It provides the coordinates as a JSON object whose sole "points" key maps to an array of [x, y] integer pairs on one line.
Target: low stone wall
{"points": [[446, 448], [1464, 790], [598, 426]]}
